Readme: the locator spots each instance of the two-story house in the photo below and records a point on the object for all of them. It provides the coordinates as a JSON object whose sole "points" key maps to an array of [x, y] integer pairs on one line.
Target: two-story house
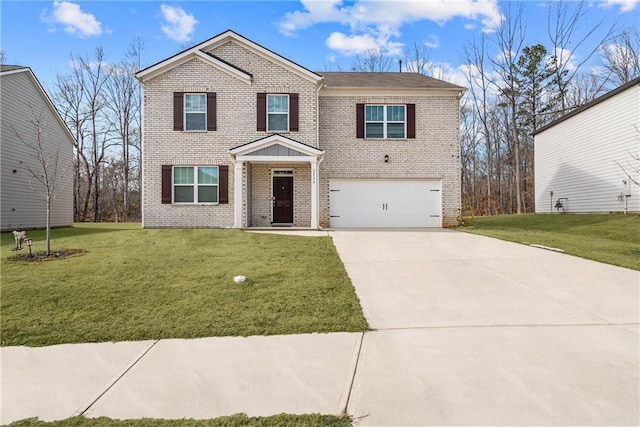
{"points": [[236, 135]]}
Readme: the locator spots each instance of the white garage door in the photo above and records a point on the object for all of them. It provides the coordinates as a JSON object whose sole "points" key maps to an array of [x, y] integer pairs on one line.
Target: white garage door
{"points": [[384, 203]]}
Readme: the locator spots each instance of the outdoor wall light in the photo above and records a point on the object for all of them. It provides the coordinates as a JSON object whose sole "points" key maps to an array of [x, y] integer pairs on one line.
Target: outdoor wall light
{"points": [[386, 158]]}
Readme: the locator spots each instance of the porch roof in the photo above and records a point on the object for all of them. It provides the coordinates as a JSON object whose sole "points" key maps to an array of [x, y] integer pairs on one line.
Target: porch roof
{"points": [[276, 148]]}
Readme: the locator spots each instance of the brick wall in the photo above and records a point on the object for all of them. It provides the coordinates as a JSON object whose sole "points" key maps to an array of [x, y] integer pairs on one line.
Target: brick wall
{"points": [[433, 154], [236, 125]]}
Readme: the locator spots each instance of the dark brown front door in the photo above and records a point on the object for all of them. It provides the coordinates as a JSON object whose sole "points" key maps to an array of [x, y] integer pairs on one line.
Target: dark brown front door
{"points": [[282, 199]]}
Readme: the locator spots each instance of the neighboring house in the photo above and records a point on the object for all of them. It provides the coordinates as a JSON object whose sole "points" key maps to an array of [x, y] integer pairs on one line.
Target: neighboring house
{"points": [[584, 161], [25, 111], [236, 135]]}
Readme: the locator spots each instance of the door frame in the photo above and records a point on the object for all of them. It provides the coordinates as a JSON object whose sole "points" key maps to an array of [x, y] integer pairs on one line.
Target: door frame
{"points": [[283, 173]]}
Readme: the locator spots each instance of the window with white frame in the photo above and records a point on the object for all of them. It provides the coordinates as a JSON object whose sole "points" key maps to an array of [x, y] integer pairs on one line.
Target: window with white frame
{"points": [[385, 121], [195, 111], [277, 113], [195, 184]]}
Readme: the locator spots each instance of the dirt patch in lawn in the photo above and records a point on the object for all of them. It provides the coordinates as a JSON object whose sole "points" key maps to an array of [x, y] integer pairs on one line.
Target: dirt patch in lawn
{"points": [[42, 255]]}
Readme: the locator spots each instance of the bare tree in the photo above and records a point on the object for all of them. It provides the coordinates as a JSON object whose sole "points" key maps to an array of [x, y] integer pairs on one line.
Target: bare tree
{"points": [[372, 61], [510, 40], [69, 100], [95, 74], [564, 21], [47, 167], [621, 57], [479, 88], [3, 57], [417, 59], [123, 103]]}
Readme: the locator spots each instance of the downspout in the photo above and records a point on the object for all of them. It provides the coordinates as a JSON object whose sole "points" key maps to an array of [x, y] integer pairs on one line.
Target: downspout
{"points": [[142, 151], [321, 158]]}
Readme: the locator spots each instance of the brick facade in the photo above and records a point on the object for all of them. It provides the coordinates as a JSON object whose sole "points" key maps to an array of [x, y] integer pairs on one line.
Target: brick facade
{"points": [[325, 122], [433, 154]]}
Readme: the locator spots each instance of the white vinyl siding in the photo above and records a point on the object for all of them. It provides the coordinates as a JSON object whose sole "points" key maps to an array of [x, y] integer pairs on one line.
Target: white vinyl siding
{"points": [[22, 201], [578, 158]]}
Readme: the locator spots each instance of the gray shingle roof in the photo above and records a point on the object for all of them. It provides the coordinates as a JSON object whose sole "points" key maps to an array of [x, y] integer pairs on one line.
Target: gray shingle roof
{"points": [[4, 67], [384, 80]]}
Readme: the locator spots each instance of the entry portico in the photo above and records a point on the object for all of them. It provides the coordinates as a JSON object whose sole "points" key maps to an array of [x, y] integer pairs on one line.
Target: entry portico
{"points": [[275, 157]]}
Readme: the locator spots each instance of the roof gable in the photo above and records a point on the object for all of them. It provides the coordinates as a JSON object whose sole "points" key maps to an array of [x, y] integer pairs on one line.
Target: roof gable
{"points": [[188, 55], [610, 94], [7, 70], [276, 145], [200, 51]]}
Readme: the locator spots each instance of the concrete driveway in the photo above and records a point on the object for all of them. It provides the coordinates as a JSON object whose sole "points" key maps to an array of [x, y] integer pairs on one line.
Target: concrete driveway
{"points": [[474, 330], [467, 331]]}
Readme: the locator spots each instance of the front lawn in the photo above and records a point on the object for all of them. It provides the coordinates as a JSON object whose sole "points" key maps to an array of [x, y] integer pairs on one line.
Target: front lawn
{"points": [[609, 238], [139, 284]]}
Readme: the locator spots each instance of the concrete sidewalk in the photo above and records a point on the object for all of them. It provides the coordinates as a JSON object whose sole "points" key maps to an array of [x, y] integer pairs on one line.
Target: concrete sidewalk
{"points": [[467, 330], [173, 379]]}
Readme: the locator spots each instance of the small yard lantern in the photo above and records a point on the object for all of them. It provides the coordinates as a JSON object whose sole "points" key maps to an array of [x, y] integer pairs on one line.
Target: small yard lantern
{"points": [[29, 242]]}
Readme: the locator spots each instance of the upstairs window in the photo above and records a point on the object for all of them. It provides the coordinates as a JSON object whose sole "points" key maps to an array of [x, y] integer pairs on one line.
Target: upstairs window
{"points": [[277, 113], [195, 111], [385, 121]]}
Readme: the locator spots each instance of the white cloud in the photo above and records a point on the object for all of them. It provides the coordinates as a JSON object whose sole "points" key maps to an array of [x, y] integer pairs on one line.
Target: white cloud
{"points": [[316, 11], [351, 45], [565, 59], [178, 25], [625, 5], [75, 21], [432, 42], [381, 21]]}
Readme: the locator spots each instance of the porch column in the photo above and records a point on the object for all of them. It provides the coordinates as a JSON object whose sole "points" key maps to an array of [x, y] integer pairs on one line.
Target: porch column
{"points": [[314, 193], [238, 194]]}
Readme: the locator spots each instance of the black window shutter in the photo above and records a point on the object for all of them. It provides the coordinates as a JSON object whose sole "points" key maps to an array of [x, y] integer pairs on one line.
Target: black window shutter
{"points": [[293, 112], [211, 111], [359, 120], [223, 184], [178, 110], [262, 112], [411, 120], [166, 184]]}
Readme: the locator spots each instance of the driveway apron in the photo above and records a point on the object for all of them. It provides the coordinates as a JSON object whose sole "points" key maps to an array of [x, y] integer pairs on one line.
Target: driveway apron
{"points": [[472, 330]]}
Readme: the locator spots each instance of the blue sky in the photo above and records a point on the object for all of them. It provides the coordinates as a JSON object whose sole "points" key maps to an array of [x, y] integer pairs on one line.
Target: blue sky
{"points": [[319, 35]]}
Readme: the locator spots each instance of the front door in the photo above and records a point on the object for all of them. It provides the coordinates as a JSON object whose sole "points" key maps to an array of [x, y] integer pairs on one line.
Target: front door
{"points": [[282, 199]]}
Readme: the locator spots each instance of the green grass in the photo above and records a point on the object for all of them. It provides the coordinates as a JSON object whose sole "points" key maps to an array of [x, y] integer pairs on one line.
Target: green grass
{"points": [[609, 238], [139, 284], [239, 420]]}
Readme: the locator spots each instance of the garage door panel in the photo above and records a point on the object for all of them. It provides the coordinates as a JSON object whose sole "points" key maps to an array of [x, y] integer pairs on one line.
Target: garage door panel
{"points": [[385, 203]]}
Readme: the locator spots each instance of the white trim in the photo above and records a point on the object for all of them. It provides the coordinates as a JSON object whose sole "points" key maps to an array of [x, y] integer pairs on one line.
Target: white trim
{"points": [[278, 112], [238, 194], [186, 56], [275, 159], [376, 91], [45, 96], [265, 53], [276, 139], [208, 45], [385, 121]]}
